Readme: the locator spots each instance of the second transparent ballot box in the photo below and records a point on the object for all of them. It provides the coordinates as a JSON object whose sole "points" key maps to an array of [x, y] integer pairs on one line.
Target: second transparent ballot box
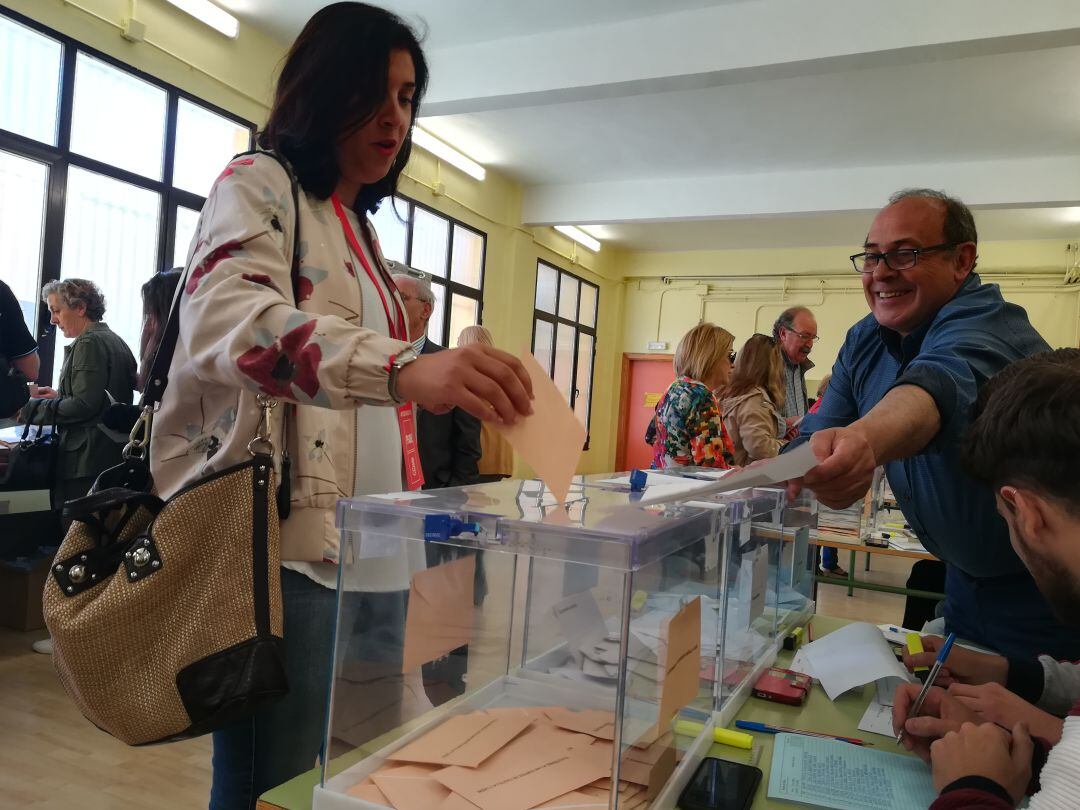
{"points": [[495, 649]]}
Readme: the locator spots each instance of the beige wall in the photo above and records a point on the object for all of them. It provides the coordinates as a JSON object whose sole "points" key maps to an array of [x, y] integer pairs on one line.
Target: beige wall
{"points": [[747, 289]]}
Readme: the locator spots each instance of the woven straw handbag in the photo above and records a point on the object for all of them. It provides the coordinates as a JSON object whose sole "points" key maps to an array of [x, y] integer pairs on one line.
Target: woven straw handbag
{"points": [[166, 615]]}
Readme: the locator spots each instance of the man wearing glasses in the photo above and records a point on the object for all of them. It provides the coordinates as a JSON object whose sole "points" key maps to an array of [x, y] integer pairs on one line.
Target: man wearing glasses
{"points": [[901, 395], [796, 333]]}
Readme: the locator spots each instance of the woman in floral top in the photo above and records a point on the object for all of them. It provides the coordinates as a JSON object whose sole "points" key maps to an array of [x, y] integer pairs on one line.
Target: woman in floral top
{"points": [[687, 429], [325, 340]]}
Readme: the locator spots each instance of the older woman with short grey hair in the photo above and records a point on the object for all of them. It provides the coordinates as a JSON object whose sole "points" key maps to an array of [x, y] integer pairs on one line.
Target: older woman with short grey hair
{"points": [[98, 369]]}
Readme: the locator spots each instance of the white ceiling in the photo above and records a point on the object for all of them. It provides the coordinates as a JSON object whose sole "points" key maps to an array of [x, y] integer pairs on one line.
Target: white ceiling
{"points": [[837, 229], [449, 23], [690, 124]]}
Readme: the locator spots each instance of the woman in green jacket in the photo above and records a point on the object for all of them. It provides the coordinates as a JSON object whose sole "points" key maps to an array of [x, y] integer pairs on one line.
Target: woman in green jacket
{"points": [[98, 369]]}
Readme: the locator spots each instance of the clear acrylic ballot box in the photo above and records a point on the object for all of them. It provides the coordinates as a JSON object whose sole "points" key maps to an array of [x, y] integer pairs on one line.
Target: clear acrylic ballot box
{"points": [[495, 649]]}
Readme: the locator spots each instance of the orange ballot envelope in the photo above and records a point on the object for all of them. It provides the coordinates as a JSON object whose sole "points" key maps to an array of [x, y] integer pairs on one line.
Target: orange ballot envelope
{"points": [[551, 440], [464, 739], [682, 661], [594, 722], [440, 614], [410, 787], [529, 771]]}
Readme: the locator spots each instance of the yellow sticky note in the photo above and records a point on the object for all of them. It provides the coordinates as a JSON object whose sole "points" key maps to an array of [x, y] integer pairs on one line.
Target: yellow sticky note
{"points": [[914, 645]]}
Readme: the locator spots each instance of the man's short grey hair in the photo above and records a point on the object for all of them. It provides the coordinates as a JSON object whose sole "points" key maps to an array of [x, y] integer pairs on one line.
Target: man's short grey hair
{"points": [[423, 286], [74, 291], [959, 221], [787, 319]]}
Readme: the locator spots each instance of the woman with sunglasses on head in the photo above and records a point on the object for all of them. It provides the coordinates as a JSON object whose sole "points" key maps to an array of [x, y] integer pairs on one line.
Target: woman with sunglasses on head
{"points": [[752, 405], [687, 429], [331, 341]]}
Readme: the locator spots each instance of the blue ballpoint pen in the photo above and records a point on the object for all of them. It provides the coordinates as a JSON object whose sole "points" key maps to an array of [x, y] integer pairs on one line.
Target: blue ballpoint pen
{"points": [[765, 728], [943, 653]]}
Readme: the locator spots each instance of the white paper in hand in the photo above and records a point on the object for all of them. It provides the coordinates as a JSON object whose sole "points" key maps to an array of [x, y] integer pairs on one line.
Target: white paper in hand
{"points": [[770, 473]]}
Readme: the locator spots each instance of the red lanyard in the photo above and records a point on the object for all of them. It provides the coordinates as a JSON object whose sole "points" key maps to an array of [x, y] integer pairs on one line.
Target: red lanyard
{"points": [[396, 322], [406, 416]]}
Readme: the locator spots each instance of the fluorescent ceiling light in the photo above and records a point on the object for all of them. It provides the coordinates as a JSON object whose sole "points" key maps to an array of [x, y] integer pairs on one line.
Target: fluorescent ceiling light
{"points": [[579, 236], [207, 12], [443, 151]]}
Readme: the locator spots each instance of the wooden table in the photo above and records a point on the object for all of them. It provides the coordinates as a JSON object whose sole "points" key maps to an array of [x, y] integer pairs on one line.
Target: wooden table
{"points": [[839, 717], [852, 583]]}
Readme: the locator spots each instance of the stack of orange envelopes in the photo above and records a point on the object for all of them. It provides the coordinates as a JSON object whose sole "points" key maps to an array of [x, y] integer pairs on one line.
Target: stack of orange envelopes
{"points": [[519, 759]]}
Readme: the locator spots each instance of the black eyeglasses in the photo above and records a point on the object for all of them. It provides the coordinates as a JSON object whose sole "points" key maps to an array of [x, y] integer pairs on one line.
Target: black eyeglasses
{"points": [[898, 259], [804, 336]]}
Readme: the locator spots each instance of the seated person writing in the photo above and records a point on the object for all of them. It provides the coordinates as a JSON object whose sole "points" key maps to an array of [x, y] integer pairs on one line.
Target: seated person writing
{"points": [[988, 746]]}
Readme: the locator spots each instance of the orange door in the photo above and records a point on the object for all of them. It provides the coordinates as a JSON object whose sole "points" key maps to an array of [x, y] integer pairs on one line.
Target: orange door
{"points": [[647, 378]]}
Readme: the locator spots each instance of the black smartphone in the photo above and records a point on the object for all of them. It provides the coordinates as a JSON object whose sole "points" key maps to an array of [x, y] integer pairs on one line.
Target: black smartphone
{"points": [[720, 785]]}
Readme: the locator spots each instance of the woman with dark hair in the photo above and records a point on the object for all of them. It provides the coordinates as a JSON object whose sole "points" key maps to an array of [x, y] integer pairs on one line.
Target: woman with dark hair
{"points": [[157, 296], [752, 405], [331, 342]]}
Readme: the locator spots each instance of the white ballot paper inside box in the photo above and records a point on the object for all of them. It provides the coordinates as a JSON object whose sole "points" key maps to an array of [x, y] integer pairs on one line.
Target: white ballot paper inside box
{"points": [[768, 474]]}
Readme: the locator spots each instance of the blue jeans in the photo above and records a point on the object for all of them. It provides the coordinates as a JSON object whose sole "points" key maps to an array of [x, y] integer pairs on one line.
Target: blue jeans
{"points": [[1007, 614], [284, 739], [829, 558]]}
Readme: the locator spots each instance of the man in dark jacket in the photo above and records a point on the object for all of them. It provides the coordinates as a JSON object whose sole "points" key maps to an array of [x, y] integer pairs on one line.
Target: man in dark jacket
{"points": [[449, 442], [18, 355]]}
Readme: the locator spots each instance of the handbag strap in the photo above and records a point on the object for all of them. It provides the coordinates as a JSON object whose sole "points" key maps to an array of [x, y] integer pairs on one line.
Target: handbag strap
{"points": [[158, 378]]}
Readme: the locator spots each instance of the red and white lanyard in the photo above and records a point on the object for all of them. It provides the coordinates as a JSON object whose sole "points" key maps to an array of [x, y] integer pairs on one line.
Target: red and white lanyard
{"points": [[406, 415]]}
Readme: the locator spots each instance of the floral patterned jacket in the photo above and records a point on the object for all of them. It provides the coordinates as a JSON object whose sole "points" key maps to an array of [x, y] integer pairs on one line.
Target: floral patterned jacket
{"points": [[687, 429], [243, 333]]}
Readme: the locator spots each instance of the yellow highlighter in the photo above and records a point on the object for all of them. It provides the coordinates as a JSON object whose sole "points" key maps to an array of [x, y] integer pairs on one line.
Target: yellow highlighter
{"points": [[724, 736], [914, 645]]}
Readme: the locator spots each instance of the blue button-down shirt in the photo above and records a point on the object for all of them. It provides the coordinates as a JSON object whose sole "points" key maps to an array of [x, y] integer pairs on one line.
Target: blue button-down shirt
{"points": [[971, 338]]}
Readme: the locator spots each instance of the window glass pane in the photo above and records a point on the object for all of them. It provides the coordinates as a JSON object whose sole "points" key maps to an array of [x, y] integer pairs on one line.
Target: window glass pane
{"points": [[391, 224], [547, 280], [568, 294], [110, 237], [435, 325], [564, 359], [431, 234], [542, 344], [463, 312], [204, 143], [30, 78], [467, 263], [587, 313], [584, 377], [187, 220], [23, 185], [134, 140]]}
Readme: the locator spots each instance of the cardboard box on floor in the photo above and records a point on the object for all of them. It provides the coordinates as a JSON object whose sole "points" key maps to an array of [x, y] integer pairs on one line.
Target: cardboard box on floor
{"points": [[21, 586]]}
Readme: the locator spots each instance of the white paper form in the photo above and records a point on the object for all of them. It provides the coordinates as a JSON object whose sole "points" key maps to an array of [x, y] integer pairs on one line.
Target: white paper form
{"points": [[830, 773], [770, 473], [852, 656], [877, 719]]}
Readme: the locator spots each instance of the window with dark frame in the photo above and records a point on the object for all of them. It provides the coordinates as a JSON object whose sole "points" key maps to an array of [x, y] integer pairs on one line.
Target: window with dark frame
{"points": [[564, 334], [103, 172], [450, 252]]}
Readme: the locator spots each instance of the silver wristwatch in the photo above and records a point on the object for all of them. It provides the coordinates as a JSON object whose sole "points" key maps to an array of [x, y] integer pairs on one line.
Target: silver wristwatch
{"points": [[397, 363]]}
